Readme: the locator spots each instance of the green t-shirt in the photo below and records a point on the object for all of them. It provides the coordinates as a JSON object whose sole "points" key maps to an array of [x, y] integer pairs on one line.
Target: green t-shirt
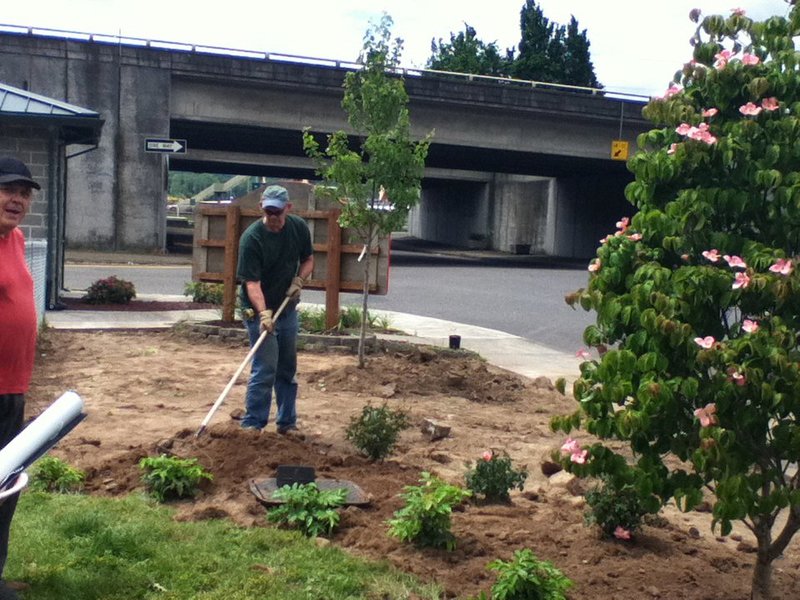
{"points": [[272, 258]]}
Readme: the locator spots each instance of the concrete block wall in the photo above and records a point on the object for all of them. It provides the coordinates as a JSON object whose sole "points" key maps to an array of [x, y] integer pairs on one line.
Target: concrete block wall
{"points": [[30, 145]]}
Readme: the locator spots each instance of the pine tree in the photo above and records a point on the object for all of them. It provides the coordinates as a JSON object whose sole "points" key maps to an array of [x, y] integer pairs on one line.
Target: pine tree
{"points": [[465, 53]]}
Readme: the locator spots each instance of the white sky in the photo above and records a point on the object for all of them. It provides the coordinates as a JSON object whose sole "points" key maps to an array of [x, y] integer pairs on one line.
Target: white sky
{"points": [[636, 45]]}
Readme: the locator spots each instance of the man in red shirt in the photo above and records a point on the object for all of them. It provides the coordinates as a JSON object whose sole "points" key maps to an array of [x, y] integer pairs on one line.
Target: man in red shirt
{"points": [[18, 323]]}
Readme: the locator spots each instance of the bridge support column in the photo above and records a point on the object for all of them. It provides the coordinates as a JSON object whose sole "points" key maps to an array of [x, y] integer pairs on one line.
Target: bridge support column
{"points": [[523, 214]]}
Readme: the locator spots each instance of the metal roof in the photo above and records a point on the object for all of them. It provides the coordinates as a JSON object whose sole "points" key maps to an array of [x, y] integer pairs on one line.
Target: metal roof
{"points": [[77, 125], [17, 101]]}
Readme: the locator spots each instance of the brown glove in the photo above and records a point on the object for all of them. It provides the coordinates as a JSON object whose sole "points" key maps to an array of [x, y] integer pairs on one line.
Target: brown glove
{"points": [[267, 324], [294, 290]]}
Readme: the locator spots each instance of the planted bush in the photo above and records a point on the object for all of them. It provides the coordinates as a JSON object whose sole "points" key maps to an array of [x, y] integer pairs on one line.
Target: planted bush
{"points": [[110, 290], [526, 577], [207, 293], [51, 474], [425, 517], [375, 431], [493, 477], [616, 508], [307, 508], [172, 478]]}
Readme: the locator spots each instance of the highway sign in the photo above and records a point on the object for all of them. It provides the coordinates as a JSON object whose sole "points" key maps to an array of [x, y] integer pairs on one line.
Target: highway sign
{"points": [[165, 145], [619, 150]]}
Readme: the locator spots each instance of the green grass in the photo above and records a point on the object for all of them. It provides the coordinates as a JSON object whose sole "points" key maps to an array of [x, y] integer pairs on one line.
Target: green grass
{"points": [[88, 548], [312, 320]]}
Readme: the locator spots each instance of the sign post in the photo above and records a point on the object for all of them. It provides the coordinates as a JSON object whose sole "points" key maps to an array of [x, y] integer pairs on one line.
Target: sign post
{"points": [[163, 145]]}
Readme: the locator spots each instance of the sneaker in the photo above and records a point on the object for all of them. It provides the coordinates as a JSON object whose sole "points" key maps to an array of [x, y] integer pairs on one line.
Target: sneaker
{"points": [[251, 427], [286, 429]]}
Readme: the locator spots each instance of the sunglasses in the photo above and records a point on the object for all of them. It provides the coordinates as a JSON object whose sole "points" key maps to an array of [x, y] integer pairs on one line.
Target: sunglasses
{"points": [[274, 212]]}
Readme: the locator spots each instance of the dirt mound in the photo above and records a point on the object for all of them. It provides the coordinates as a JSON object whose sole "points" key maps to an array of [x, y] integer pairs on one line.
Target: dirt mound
{"points": [[147, 393]]}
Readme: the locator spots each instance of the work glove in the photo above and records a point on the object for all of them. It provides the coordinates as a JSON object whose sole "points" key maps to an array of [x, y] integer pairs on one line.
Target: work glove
{"points": [[267, 324], [294, 290]]}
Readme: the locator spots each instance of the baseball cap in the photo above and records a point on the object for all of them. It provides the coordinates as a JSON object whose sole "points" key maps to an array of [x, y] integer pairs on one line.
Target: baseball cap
{"points": [[274, 196], [12, 170]]}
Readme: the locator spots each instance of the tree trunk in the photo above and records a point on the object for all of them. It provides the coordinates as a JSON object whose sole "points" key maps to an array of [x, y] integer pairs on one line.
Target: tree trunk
{"points": [[762, 578], [364, 300]]}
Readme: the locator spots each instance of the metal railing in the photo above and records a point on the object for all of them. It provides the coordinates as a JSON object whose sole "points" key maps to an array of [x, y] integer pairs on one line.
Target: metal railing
{"points": [[308, 60]]}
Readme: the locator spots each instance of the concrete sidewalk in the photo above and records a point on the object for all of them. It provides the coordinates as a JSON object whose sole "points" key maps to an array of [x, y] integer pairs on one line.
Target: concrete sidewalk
{"points": [[498, 348]]}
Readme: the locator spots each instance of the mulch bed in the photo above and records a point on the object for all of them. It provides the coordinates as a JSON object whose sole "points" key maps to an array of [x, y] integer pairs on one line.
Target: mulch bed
{"points": [[135, 305]]}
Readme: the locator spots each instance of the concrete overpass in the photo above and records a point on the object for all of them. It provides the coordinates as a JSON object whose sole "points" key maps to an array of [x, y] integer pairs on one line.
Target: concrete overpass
{"points": [[527, 165]]}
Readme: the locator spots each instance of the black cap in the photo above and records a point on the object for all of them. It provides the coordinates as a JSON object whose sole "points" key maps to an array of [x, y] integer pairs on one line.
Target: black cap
{"points": [[13, 170]]}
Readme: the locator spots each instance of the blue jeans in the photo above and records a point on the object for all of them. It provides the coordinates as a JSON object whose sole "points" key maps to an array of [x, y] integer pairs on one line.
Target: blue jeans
{"points": [[274, 366]]}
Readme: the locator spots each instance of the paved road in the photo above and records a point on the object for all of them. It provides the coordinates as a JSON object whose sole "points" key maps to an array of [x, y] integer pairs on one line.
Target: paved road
{"points": [[521, 299]]}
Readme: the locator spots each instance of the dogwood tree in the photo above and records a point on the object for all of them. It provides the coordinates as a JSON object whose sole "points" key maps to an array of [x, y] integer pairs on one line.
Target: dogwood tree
{"points": [[376, 177], [698, 295]]}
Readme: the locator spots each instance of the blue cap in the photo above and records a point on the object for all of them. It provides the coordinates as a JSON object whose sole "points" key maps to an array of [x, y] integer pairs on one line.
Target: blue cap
{"points": [[274, 196]]}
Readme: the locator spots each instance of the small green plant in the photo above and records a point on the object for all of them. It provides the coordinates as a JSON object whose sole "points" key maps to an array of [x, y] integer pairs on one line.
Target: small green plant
{"points": [[313, 320], [172, 478], [376, 429], [110, 290], [616, 509], [51, 474], [307, 508], [528, 577], [208, 293], [425, 517], [493, 477]]}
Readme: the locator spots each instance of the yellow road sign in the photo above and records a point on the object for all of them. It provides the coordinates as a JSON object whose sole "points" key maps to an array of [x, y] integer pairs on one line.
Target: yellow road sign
{"points": [[619, 150]]}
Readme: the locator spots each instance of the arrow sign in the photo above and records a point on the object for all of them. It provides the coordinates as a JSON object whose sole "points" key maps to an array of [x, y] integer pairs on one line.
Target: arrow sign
{"points": [[165, 145]]}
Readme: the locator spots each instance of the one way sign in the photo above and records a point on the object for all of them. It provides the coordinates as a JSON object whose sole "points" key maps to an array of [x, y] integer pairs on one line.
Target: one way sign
{"points": [[165, 145]]}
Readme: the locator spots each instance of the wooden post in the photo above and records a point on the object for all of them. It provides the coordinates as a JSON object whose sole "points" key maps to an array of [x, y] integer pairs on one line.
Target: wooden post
{"points": [[334, 261], [232, 217]]}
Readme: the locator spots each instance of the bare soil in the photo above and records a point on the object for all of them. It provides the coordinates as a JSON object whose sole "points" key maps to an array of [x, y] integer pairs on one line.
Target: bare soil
{"points": [[148, 392]]}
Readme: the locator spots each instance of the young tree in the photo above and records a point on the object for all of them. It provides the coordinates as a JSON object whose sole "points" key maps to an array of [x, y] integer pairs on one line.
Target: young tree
{"points": [[382, 162], [465, 53], [698, 299]]}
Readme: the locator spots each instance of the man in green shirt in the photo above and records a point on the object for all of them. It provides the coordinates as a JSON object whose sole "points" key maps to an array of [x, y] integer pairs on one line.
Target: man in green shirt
{"points": [[275, 259]]}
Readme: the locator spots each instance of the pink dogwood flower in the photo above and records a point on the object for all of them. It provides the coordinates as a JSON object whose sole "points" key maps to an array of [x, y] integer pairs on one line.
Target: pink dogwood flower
{"points": [[749, 326], [712, 255], [621, 533], [683, 129], [487, 456], [738, 378], [742, 280], [570, 447], [722, 58], [750, 59], [705, 342], [594, 266], [782, 266], [749, 109], [735, 262], [582, 353], [738, 12], [672, 148], [770, 104], [673, 89], [623, 223], [579, 458], [710, 112], [707, 414], [635, 237]]}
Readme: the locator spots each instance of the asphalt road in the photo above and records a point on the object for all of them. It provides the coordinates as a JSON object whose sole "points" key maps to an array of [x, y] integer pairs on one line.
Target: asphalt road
{"points": [[524, 299]]}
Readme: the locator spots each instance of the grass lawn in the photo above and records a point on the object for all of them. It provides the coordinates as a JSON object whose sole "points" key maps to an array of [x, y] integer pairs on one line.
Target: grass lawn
{"points": [[85, 548]]}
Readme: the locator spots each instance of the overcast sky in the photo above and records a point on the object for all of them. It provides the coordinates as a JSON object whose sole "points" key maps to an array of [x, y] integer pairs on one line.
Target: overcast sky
{"points": [[636, 45]]}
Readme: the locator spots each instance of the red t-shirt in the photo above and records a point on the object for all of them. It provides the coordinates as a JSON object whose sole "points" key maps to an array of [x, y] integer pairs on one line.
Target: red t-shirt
{"points": [[18, 322]]}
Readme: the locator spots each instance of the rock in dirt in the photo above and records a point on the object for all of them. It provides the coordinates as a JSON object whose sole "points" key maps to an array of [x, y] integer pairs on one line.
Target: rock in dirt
{"points": [[550, 468], [434, 430]]}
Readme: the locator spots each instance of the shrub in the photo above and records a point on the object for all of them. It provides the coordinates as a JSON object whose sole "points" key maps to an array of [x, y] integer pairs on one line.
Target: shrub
{"points": [[313, 320], [209, 293], [616, 509], [493, 477], [307, 508], [172, 478], [425, 518], [110, 290], [376, 430], [528, 577], [51, 474]]}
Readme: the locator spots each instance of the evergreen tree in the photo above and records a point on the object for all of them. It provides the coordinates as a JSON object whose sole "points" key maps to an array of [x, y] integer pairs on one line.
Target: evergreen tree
{"points": [[465, 53], [578, 67], [533, 61]]}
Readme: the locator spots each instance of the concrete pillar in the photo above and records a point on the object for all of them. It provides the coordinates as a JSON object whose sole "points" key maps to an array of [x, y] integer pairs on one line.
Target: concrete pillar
{"points": [[451, 212], [523, 219]]}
